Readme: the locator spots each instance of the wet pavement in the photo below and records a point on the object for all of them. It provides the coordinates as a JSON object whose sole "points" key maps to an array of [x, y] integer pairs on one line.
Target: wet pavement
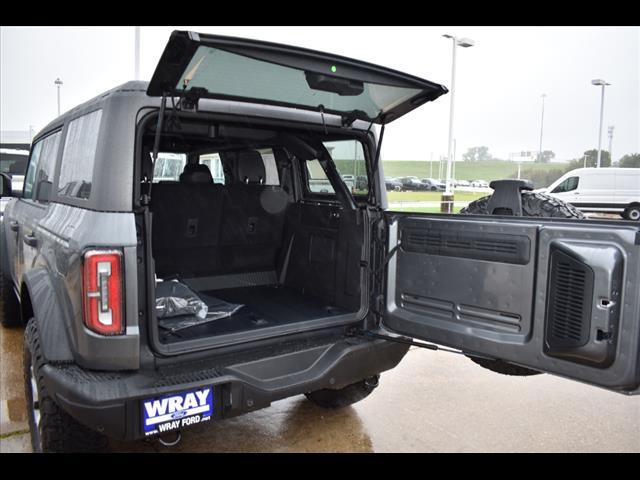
{"points": [[432, 402]]}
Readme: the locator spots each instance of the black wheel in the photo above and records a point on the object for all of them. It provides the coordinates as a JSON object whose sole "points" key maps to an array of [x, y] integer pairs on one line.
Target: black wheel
{"points": [[433, 189], [505, 368], [343, 397], [533, 205], [52, 429], [9, 305], [632, 212]]}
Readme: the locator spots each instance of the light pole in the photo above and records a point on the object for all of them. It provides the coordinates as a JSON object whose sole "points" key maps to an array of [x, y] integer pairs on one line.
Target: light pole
{"points": [[544, 95], [611, 143], [600, 83], [58, 82], [462, 42], [137, 54]]}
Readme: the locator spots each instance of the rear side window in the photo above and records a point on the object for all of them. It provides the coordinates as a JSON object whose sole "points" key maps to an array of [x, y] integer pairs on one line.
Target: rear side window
{"points": [[318, 181], [568, 185], [349, 159], [78, 157], [212, 160], [168, 167], [39, 177], [270, 167]]}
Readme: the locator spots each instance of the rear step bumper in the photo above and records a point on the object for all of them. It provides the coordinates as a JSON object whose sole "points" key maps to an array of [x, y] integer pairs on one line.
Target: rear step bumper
{"points": [[111, 402]]}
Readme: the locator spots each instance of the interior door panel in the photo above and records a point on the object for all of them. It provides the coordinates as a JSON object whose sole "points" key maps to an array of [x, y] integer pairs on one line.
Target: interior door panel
{"points": [[555, 296]]}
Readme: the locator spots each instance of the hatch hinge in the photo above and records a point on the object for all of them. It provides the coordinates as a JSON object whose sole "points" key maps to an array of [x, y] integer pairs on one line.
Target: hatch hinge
{"points": [[189, 98]]}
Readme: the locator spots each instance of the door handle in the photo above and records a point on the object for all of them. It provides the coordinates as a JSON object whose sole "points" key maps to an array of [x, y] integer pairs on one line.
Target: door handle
{"points": [[13, 225], [30, 240]]}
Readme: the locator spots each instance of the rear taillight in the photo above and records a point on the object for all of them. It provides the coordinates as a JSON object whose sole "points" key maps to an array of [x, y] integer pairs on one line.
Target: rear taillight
{"points": [[102, 291]]}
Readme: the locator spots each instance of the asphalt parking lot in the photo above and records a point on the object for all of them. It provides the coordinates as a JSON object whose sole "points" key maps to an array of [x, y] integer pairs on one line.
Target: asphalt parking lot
{"points": [[432, 402]]}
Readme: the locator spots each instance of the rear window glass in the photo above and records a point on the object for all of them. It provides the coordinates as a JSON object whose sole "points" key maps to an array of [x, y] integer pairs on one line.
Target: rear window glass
{"points": [[233, 75], [13, 162], [78, 157]]}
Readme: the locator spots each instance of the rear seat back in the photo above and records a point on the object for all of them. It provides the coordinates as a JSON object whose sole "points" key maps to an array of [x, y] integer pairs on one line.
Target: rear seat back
{"points": [[186, 221], [207, 229], [252, 217]]}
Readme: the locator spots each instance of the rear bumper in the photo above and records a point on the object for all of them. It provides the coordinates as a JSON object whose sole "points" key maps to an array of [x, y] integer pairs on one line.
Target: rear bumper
{"points": [[110, 402]]}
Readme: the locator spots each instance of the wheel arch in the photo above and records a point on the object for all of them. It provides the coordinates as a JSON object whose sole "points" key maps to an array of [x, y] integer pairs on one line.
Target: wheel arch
{"points": [[39, 300]]}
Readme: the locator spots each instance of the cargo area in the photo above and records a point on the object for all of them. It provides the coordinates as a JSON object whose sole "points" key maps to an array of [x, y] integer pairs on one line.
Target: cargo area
{"points": [[232, 229]]}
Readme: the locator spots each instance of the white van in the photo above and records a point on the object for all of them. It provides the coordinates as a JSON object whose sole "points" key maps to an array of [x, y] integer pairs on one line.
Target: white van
{"points": [[610, 190]]}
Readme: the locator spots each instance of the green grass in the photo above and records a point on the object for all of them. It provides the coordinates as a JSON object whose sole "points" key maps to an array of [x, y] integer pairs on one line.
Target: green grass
{"points": [[487, 170], [422, 209], [433, 196]]}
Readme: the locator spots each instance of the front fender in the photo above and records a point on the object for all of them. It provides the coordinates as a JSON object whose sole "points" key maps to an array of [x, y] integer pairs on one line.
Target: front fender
{"points": [[48, 314]]}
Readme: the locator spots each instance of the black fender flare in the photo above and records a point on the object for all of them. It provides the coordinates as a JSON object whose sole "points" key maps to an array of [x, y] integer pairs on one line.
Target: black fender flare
{"points": [[49, 316], [4, 254]]}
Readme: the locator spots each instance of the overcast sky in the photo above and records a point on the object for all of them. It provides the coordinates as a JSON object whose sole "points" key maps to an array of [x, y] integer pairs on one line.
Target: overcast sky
{"points": [[499, 81]]}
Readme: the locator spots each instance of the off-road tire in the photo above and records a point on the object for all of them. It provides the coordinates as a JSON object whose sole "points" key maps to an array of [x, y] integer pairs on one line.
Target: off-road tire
{"points": [[533, 205], [505, 368], [9, 305], [58, 432], [333, 399]]}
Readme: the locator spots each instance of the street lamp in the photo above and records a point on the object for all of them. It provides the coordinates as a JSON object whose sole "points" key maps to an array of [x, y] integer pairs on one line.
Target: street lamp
{"points": [[58, 82], [600, 83], [136, 54], [465, 43], [544, 95]]}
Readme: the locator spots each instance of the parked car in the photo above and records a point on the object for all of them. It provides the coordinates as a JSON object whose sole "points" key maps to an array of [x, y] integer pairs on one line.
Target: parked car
{"points": [[610, 190], [432, 185], [412, 184], [462, 183], [13, 163], [479, 184], [392, 184], [154, 306]]}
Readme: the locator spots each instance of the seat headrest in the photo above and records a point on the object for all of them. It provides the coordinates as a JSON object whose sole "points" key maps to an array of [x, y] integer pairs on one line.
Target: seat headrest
{"points": [[196, 173], [250, 168]]}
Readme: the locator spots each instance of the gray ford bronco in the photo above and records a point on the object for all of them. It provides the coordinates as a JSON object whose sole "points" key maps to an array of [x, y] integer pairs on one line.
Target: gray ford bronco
{"points": [[199, 246]]}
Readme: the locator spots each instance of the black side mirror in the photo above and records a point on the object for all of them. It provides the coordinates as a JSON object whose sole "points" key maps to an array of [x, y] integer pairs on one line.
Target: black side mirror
{"points": [[44, 191], [6, 186]]}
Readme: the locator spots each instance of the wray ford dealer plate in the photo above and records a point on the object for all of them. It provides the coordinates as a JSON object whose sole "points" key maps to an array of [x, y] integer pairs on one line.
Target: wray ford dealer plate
{"points": [[177, 410]]}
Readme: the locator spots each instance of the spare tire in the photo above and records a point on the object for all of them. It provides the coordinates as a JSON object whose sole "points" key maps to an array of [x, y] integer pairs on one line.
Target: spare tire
{"points": [[533, 205]]}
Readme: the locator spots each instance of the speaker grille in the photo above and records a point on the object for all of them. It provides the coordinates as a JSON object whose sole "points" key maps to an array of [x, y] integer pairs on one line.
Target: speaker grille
{"points": [[570, 292], [474, 245]]}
